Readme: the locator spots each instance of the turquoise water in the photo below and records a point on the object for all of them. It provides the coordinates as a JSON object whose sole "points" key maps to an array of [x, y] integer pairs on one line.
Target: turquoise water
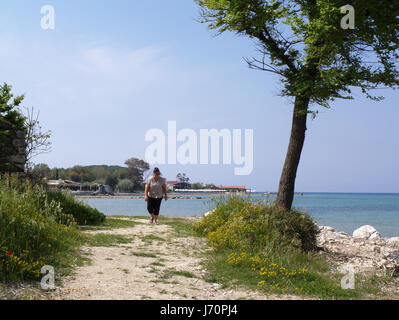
{"points": [[342, 211]]}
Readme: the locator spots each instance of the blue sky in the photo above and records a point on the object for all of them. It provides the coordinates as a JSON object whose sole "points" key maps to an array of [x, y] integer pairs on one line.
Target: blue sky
{"points": [[112, 70]]}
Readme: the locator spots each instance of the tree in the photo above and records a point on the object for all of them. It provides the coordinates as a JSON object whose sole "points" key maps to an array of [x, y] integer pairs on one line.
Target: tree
{"points": [[122, 173], [125, 185], [197, 185], [111, 180], [99, 172], [182, 177], [11, 124], [9, 110], [317, 60], [136, 169], [41, 170], [80, 174], [37, 141]]}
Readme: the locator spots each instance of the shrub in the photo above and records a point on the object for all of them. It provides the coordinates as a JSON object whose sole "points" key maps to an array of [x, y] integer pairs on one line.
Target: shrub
{"points": [[273, 246], [33, 231], [81, 212], [239, 223]]}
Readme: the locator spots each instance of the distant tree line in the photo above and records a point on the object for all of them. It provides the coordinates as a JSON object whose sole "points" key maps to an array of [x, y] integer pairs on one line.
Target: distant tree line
{"points": [[122, 179]]}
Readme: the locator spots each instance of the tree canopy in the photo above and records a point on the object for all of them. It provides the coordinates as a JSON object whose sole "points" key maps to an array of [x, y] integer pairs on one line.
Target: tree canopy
{"points": [[303, 42], [9, 107]]}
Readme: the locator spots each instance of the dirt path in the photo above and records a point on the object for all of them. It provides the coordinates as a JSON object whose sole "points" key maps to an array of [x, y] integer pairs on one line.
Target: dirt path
{"points": [[154, 265]]}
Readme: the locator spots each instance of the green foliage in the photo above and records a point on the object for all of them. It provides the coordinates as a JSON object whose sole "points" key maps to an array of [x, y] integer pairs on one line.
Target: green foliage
{"points": [[80, 174], [267, 247], [136, 169], [81, 212], [182, 177], [239, 223], [9, 109], [34, 231], [303, 42], [11, 120], [111, 180], [100, 174], [125, 185]]}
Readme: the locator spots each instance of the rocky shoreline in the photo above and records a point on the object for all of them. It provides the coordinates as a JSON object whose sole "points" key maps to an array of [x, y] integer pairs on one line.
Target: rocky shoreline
{"points": [[365, 251]]}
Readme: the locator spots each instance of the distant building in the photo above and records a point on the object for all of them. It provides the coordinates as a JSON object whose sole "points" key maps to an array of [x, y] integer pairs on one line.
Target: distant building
{"points": [[233, 188], [175, 185], [64, 184], [170, 184], [79, 187]]}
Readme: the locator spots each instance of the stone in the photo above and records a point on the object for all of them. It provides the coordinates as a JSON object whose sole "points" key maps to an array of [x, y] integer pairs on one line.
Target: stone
{"points": [[19, 143], [344, 234], [326, 228], [394, 241], [20, 135], [375, 235], [394, 255], [377, 249], [365, 232]]}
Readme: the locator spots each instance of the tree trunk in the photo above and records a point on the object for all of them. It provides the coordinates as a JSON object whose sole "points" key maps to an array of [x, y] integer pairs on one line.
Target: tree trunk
{"points": [[285, 194]]}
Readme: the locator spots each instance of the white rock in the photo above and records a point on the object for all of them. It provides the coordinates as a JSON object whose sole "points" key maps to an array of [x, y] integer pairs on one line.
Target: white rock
{"points": [[326, 228], [394, 241], [344, 234], [375, 235], [364, 232]]}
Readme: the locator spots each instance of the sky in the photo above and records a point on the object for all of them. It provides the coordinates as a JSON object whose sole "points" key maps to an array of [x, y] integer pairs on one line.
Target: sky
{"points": [[111, 71]]}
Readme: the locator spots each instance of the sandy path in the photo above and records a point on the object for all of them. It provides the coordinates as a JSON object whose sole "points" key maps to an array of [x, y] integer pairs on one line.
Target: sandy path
{"points": [[147, 268]]}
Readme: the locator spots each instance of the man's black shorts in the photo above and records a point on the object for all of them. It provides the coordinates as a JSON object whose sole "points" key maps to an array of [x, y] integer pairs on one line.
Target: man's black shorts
{"points": [[153, 205]]}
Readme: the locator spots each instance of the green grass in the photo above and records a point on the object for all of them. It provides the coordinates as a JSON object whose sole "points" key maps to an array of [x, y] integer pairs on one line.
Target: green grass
{"points": [[168, 273], [107, 240], [182, 227], [315, 284], [148, 239], [157, 264], [111, 223], [144, 254], [183, 273]]}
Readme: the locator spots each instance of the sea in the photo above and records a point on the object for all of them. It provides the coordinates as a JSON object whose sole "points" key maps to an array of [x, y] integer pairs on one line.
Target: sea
{"points": [[343, 211]]}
